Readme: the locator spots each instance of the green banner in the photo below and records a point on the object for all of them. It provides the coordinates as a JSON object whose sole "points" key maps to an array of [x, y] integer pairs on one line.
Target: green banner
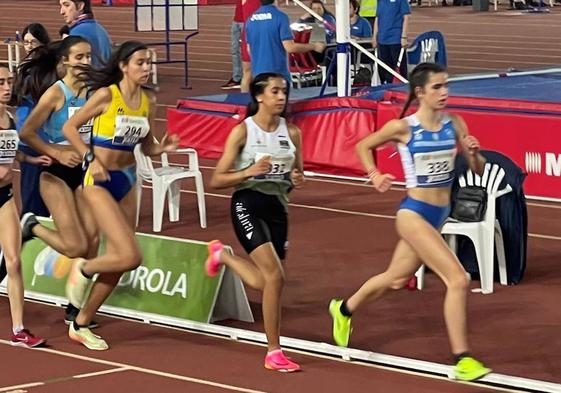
{"points": [[171, 280]]}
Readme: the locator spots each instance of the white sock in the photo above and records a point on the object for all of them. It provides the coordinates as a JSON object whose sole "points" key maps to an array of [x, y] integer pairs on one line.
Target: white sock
{"points": [[17, 329]]}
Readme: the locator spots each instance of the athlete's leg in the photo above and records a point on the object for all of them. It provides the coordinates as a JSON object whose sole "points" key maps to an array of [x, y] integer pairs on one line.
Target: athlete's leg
{"points": [[403, 264], [268, 263], [431, 248], [248, 271], [10, 241], [69, 237], [116, 222]]}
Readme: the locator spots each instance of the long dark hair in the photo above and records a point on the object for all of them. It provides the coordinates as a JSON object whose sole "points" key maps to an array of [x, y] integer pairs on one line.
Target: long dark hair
{"points": [[111, 73], [419, 77], [38, 31], [257, 87], [38, 72]]}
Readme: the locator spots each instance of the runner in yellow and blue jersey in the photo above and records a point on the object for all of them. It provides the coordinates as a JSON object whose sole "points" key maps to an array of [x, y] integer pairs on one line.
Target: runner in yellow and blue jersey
{"points": [[427, 144], [124, 116]]}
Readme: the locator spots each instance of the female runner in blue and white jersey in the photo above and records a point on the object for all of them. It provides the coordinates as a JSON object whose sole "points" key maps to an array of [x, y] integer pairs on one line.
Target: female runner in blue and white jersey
{"points": [[60, 182], [262, 159], [427, 143], [124, 116]]}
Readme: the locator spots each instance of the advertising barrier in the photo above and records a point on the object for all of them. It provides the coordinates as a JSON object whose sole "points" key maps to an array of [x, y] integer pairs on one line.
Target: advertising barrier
{"points": [[170, 282]]}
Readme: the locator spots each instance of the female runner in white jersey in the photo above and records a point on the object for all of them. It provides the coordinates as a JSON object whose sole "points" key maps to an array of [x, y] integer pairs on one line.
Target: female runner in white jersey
{"points": [[262, 159], [427, 143]]}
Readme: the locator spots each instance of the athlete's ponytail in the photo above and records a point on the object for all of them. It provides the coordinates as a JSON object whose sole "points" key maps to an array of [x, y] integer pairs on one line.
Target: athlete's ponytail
{"points": [[40, 69], [257, 87], [110, 73], [419, 78]]}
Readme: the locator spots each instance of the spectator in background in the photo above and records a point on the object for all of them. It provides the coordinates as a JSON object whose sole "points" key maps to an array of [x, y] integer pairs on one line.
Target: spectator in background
{"points": [[34, 35], [235, 37], [390, 35], [248, 8], [270, 39], [319, 8], [368, 11], [360, 27], [79, 17]]}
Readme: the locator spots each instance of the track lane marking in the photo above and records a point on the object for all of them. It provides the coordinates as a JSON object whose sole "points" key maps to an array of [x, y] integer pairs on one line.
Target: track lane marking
{"points": [[129, 367]]}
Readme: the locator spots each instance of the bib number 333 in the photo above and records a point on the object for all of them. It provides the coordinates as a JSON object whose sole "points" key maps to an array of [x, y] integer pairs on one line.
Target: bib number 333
{"points": [[129, 130]]}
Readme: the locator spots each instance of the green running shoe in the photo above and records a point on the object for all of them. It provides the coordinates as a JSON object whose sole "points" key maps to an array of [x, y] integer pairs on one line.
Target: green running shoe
{"points": [[342, 327], [470, 369]]}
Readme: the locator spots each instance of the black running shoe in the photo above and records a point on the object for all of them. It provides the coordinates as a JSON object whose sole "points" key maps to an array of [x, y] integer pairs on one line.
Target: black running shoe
{"points": [[27, 222], [71, 313]]}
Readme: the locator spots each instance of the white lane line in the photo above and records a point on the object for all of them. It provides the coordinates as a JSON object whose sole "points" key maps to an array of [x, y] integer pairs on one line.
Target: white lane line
{"points": [[130, 367], [61, 379], [95, 374], [553, 205], [349, 212], [290, 350]]}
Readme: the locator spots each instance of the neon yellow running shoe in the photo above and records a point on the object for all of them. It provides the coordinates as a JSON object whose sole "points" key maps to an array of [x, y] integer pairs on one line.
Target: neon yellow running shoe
{"points": [[342, 327], [85, 337], [470, 369]]}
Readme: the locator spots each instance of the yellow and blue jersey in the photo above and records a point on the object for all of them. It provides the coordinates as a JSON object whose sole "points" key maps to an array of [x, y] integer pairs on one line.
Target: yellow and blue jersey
{"points": [[121, 127]]}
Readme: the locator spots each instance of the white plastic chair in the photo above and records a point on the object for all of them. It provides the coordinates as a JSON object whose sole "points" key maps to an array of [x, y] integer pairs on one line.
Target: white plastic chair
{"points": [[486, 234], [166, 180]]}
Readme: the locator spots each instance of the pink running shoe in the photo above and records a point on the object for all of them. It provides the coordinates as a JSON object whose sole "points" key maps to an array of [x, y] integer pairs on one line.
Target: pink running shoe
{"points": [[212, 263], [25, 339], [276, 361]]}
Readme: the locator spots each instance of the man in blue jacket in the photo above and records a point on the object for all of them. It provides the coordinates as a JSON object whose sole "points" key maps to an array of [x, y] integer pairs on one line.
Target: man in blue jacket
{"points": [[270, 40], [79, 17]]}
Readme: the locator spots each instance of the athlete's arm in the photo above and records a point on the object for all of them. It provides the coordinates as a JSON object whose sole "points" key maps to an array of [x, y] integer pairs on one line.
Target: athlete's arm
{"points": [[470, 146], [43, 160], [39, 115], [150, 146], [393, 131], [223, 176], [297, 174], [94, 106]]}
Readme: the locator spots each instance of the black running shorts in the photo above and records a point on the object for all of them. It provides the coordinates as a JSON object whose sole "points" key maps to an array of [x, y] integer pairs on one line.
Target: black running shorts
{"points": [[259, 218]]}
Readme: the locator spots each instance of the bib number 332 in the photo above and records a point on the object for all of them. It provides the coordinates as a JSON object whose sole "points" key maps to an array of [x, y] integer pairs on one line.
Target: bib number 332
{"points": [[129, 130]]}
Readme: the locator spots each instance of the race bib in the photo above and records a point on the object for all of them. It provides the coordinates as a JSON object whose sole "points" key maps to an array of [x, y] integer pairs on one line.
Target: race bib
{"points": [[8, 146], [129, 130], [281, 166], [86, 130], [434, 163]]}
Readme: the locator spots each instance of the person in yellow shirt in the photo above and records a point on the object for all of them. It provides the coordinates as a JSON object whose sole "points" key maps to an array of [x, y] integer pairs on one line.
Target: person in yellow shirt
{"points": [[368, 11]]}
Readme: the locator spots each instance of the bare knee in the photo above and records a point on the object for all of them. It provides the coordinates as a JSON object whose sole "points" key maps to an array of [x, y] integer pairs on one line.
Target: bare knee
{"points": [[131, 258], [458, 282], [399, 283], [275, 278], [76, 250], [13, 264]]}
